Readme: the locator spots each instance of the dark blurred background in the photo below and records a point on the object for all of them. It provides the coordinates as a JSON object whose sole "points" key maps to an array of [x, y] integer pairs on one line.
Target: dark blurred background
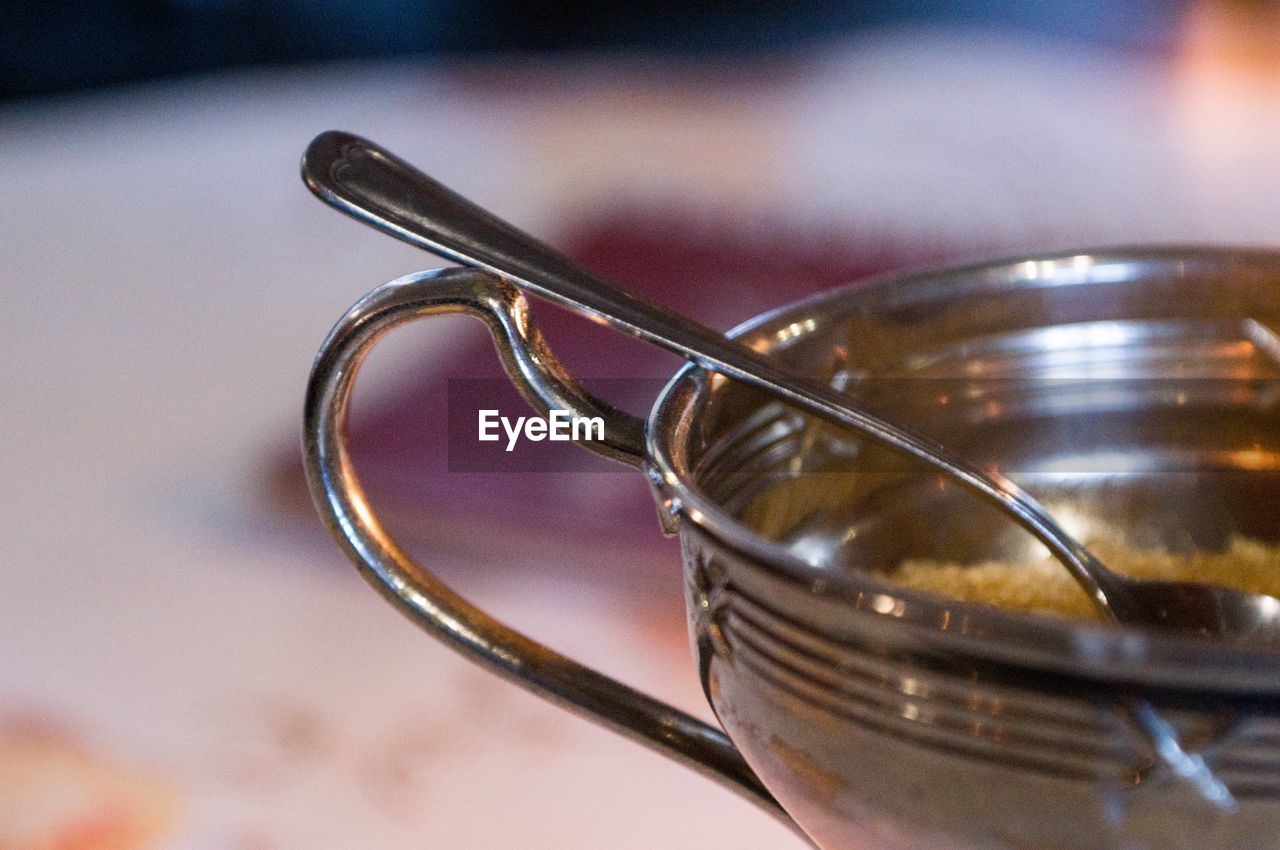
{"points": [[57, 47]]}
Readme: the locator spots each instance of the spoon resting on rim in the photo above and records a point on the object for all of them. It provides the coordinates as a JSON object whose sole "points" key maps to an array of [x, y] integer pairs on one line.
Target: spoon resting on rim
{"points": [[381, 190]]}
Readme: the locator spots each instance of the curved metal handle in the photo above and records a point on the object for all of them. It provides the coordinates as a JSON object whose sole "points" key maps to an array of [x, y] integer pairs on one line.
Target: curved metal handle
{"points": [[415, 590]]}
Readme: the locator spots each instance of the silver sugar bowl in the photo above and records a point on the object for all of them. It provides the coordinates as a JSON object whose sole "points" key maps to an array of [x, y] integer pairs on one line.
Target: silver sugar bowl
{"points": [[1134, 388]]}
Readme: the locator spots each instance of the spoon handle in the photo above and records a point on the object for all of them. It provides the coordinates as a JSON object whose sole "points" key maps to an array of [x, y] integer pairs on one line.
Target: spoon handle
{"points": [[378, 188]]}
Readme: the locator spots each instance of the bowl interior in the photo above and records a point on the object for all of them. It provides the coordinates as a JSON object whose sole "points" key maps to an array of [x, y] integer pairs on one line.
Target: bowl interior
{"points": [[1129, 390]]}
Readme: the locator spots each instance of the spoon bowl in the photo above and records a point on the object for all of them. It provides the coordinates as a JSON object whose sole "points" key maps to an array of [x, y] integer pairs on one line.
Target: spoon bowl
{"points": [[1204, 609]]}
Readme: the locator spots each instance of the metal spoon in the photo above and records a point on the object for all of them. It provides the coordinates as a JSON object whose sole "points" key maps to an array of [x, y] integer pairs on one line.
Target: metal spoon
{"points": [[374, 186]]}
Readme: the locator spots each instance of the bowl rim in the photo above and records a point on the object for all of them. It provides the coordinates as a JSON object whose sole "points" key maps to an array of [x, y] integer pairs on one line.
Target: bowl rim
{"points": [[1080, 648]]}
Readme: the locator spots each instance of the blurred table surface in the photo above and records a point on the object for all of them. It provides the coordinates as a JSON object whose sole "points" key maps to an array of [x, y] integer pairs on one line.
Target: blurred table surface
{"points": [[179, 668]]}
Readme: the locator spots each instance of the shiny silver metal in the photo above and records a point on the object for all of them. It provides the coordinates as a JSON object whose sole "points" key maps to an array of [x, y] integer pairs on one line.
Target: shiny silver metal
{"points": [[875, 715], [379, 189], [419, 594]]}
